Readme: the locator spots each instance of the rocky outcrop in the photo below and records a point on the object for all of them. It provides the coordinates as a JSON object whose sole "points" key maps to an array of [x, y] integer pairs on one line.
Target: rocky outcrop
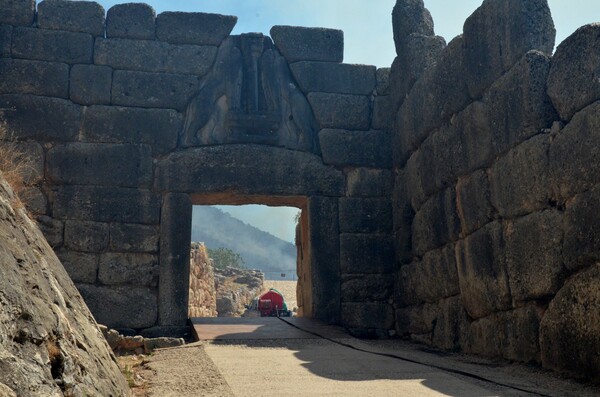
{"points": [[203, 294], [235, 289], [50, 344]]}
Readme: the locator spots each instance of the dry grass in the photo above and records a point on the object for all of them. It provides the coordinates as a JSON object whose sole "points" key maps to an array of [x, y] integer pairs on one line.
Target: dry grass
{"points": [[15, 165]]}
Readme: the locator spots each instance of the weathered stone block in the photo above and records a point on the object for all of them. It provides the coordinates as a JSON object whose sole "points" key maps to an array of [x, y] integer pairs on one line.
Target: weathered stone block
{"points": [[499, 33], [365, 215], [416, 179], [582, 230], [133, 269], [403, 215], [174, 270], [324, 258], [356, 148], [477, 135], [351, 112], [518, 114], [154, 56], [409, 17], [120, 165], [309, 44], [367, 287], [35, 200], [244, 169], [519, 180], [534, 255], [17, 12], [513, 335], [74, 16], [383, 81], [153, 90], [451, 324], [383, 113], [90, 84], [416, 319], [41, 118], [34, 77], [86, 236], [447, 158], [482, 275], [82, 267], [339, 78], [131, 20], [366, 253], [573, 80], [106, 204], [155, 127], [52, 229], [193, 27], [133, 238], [111, 305], [54, 46], [571, 325], [367, 315], [436, 223], [574, 161], [366, 182], [5, 40], [474, 202]]}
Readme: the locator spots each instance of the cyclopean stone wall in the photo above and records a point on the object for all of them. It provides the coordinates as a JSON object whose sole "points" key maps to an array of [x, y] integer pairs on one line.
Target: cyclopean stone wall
{"points": [[133, 117], [497, 186]]}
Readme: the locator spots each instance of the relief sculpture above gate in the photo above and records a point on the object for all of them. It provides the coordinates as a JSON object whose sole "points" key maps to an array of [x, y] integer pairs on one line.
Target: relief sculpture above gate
{"points": [[250, 97]]}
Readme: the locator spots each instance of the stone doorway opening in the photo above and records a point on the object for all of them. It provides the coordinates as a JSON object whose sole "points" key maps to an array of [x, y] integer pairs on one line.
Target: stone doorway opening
{"points": [[239, 252]]}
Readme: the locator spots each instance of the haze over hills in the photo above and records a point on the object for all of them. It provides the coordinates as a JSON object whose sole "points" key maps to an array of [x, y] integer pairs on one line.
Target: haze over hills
{"points": [[259, 249]]}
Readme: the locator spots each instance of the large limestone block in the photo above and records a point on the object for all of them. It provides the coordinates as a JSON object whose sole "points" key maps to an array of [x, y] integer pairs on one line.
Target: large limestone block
{"points": [[104, 164], [106, 204], [128, 268], [41, 118], [368, 182], [534, 255], [121, 306], [450, 325], [573, 81], [5, 40], [518, 106], [34, 77], [50, 343], [17, 12], [383, 113], [519, 180], [365, 215], [74, 16], [571, 325], [153, 90], [409, 17], [574, 159], [248, 169], [352, 112], [339, 78], [90, 84], [82, 267], [513, 335], [482, 274], [366, 287], [403, 215], [436, 223], [383, 81], [194, 27], [499, 33], [309, 44], [448, 157], [128, 237], [582, 230], [416, 320], [474, 202], [154, 56], [366, 253], [115, 124], [477, 135], [367, 315], [86, 236], [51, 45], [131, 21], [417, 178], [356, 148]]}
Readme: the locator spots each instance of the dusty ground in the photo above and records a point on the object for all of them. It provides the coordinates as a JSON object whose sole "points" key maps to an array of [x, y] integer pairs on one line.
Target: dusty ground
{"points": [[287, 288]]}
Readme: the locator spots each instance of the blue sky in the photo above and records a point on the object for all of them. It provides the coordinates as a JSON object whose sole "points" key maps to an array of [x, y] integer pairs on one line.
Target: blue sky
{"points": [[368, 40]]}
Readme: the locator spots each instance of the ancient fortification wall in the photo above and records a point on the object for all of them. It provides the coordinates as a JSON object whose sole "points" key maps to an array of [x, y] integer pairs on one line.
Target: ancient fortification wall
{"points": [[496, 194], [203, 294], [132, 117]]}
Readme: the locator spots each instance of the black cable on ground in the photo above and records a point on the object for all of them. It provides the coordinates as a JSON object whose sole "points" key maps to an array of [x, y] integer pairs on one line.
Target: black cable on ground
{"points": [[394, 356]]}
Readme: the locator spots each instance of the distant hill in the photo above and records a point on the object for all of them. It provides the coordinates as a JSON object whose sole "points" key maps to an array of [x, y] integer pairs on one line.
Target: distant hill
{"points": [[259, 249]]}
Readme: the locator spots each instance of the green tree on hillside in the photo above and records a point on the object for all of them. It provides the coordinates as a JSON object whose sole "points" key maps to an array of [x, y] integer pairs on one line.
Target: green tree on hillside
{"points": [[224, 257]]}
